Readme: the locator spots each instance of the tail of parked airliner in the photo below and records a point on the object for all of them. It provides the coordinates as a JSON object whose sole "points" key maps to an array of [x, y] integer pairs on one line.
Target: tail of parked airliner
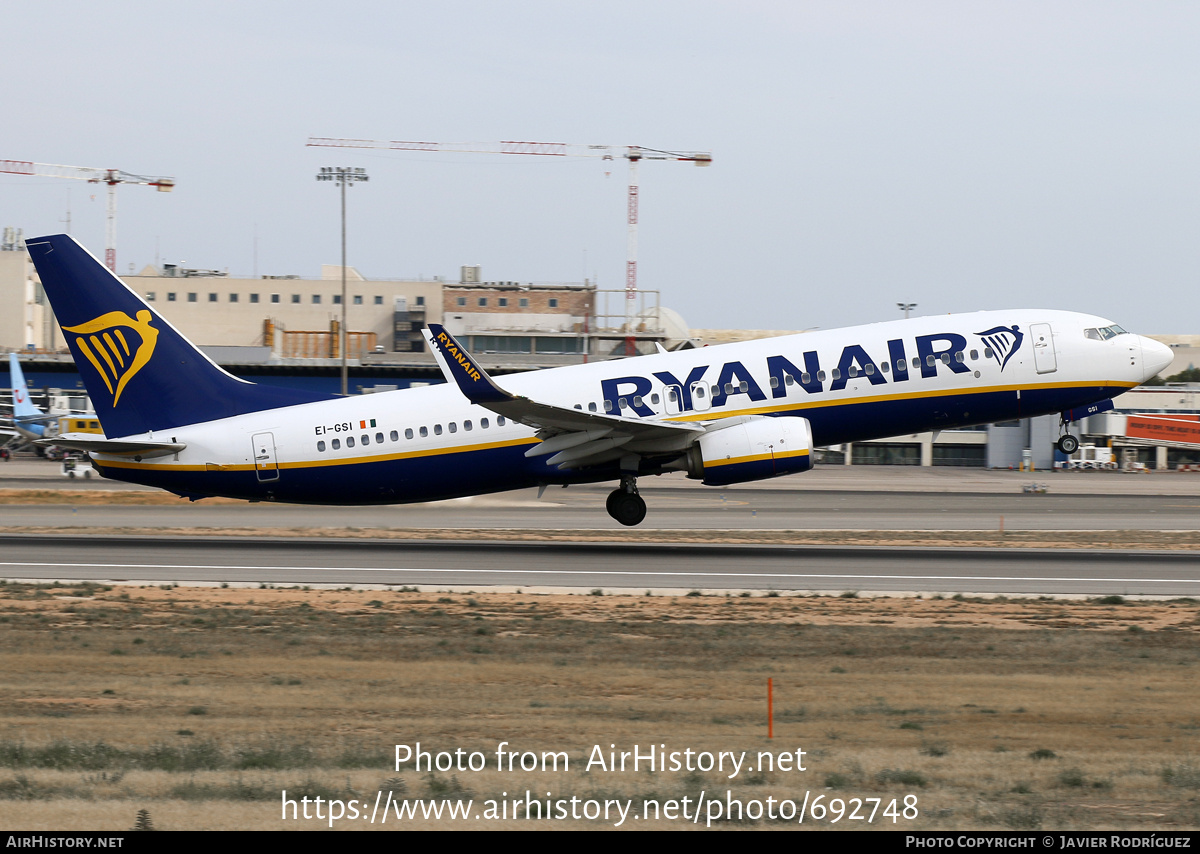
{"points": [[23, 407], [140, 372]]}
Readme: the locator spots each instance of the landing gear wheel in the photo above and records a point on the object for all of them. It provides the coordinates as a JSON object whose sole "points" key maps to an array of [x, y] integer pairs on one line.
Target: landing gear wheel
{"points": [[611, 500], [628, 508], [1068, 444]]}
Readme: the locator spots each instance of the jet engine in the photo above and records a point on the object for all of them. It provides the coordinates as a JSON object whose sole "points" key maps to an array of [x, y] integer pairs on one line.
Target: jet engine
{"points": [[753, 448]]}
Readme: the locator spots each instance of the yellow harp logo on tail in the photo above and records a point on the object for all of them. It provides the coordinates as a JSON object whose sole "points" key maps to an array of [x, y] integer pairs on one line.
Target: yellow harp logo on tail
{"points": [[105, 342]]}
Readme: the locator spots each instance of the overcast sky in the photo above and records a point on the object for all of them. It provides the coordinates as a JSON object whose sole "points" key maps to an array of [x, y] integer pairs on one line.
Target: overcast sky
{"points": [[959, 155]]}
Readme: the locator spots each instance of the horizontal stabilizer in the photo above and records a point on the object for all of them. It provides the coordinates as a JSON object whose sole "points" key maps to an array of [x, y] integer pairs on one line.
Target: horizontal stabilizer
{"points": [[97, 444]]}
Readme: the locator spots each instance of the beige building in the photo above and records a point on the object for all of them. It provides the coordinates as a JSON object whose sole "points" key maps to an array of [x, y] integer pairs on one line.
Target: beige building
{"points": [[515, 318], [516, 324], [215, 310], [26, 322]]}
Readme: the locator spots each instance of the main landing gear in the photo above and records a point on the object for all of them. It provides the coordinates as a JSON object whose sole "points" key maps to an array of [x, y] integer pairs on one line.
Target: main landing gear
{"points": [[624, 504]]}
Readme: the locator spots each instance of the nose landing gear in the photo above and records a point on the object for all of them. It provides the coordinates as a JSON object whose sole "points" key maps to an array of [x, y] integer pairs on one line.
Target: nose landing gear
{"points": [[624, 504], [1067, 443]]}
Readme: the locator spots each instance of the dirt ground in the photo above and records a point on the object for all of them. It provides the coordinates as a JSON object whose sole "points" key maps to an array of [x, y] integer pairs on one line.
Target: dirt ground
{"points": [[203, 705]]}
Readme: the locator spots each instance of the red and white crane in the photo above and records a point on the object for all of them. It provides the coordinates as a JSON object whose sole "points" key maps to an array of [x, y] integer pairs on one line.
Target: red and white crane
{"points": [[111, 177], [633, 153]]}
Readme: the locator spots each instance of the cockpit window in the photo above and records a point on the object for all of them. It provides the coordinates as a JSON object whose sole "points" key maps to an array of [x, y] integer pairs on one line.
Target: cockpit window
{"points": [[1105, 333]]}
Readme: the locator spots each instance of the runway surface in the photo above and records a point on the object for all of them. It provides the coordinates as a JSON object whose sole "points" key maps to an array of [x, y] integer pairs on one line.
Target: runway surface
{"points": [[599, 566], [829, 498], [670, 508]]}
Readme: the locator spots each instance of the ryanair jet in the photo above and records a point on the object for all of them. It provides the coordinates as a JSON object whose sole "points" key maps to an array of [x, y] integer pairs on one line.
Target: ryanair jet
{"points": [[726, 414]]}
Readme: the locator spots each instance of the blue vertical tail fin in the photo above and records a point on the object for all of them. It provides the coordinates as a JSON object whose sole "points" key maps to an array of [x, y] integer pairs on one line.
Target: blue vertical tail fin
{"points": [[139, 371], [23, 408]]}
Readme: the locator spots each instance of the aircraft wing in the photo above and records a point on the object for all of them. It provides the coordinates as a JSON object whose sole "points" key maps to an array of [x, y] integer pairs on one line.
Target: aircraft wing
{"points": [[575, 437], [97, 444]]}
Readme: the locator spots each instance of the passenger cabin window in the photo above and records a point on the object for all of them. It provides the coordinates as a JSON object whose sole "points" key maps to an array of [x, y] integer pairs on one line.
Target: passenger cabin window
{"points": [[349, 441], [321, 446], [408, 433], [337, 444]]}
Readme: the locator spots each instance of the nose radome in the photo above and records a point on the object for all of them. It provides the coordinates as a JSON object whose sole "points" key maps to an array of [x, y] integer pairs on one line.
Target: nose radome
{"points": [[1156, 356]]}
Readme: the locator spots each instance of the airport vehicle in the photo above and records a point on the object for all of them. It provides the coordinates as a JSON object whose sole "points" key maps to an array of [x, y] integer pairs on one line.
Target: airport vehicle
{"points": [[726, 414]]}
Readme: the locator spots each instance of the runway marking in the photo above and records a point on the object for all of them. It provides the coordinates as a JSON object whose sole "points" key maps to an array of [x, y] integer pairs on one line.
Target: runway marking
{"points": [[620, 572]]}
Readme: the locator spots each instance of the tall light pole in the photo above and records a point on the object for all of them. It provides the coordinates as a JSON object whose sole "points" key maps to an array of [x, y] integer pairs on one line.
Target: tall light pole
{"points": [[345, 176], [906, 307]]}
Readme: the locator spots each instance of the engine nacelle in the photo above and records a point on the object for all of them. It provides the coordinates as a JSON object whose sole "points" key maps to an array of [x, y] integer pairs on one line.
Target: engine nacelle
{"points": [[753, 449]]}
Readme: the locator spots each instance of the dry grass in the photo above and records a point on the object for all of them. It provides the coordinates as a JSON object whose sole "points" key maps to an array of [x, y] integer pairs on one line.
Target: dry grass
{"points": [[201, 704]]}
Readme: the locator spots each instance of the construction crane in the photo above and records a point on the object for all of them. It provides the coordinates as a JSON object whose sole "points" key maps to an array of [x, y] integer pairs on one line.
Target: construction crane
{"points": [[633, 153], [111, 177]]}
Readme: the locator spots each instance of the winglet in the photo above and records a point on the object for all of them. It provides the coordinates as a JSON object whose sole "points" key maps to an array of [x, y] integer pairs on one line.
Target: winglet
{"points": [[461, 367]]}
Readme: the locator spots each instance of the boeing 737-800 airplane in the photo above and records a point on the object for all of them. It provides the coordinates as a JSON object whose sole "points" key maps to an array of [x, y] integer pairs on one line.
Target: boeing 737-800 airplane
{"points": [[727, 414]]}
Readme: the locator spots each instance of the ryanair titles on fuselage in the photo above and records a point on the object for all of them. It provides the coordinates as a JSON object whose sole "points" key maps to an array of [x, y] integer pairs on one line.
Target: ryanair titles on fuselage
{"points": [[941, 349]]}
